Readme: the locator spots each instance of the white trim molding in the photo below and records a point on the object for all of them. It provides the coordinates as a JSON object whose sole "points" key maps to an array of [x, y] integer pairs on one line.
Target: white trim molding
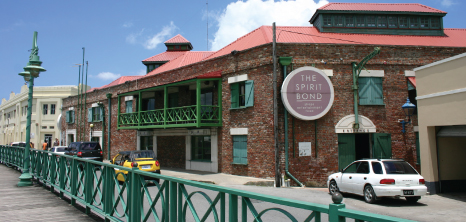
{"points": [[239, 131], [128, 98], [328, 72], [409, 73], [239, 78], [450, 92], [372, 73]]}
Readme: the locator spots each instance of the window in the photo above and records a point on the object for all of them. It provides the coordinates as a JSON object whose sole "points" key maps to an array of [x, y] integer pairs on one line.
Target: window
{"points": [[240, 151], [70, 116], [349, 21], [206, 103], [403, 22], [352, 168], [129, 106], [52, 109], [413, 22], [338, 20], [200, 148], [44, 127], [370, 91], [398, 167], [44, 110], [371, 21], [382, 22], [435, 22], [363, 167], [242, 94], [360, 21], [424, 22], [94, 114], [148, 104], [172, 100], [327, 20], [392, 22], [377, 168]]}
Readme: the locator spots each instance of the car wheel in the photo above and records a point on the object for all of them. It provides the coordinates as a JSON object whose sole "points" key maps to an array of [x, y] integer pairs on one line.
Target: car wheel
{"points": [[369, 195], [412, 199], [333, 187]]}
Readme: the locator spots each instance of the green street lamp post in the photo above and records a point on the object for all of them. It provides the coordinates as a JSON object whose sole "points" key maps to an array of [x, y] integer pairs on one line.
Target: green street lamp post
{"points": [[31, 71]]}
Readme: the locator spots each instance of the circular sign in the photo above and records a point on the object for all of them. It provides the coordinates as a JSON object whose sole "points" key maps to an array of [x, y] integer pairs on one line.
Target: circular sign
{"points": [[307, 93]]}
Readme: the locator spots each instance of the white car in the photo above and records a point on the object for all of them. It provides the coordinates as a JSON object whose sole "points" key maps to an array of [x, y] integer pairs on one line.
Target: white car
{"points": [[375, 178], [57, 149]]}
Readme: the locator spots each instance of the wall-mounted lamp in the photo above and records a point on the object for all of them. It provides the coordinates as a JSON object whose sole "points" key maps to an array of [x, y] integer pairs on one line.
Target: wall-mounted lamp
{"points": [[408, 109], [92, 127]]}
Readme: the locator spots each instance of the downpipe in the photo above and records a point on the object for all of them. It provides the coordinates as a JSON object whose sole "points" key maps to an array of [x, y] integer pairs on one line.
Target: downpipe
{"points": [[285, 61]]}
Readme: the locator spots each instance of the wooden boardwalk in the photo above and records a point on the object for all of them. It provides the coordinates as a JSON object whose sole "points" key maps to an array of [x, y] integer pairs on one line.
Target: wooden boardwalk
{"points": [[35, 203]]}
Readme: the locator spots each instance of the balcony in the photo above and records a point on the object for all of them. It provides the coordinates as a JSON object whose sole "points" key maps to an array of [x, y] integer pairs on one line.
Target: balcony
{"points": [[189, 104]]}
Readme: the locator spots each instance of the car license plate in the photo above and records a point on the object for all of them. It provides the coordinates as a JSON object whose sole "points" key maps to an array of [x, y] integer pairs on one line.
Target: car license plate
{"points": [[408, 192], [145, 167]]}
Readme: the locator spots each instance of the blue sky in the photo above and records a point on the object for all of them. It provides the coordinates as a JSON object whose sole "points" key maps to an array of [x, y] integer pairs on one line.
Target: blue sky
{"points": [[118, 35]]}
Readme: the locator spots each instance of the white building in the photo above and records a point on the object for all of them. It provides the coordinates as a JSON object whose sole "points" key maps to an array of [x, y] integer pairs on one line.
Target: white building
{"points": [[46, 112]]}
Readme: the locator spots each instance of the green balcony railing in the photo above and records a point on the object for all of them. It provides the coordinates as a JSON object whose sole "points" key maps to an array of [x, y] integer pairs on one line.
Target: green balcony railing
{"points": [[185, 116], [95, 186]]}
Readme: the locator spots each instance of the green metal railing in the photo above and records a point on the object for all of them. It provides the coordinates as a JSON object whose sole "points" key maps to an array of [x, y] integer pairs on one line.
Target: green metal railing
{"points": [[173, 117], [94, 185]]}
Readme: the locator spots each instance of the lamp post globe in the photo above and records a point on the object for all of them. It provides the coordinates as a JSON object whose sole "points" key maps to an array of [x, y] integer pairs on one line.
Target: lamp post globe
{"points": [[31, 71]]}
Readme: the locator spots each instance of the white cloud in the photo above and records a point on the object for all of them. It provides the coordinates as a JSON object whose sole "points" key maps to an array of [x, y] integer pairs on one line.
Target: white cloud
{"points": [[241, 17], [133, 37], [108, 76], [127, 25], [447, 3], [158, 38]]}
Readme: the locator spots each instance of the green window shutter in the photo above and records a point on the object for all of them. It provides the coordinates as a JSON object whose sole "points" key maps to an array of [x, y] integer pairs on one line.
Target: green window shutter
{"points": [[377, 91], [346, 149], [249, 93], [72, 116], [364, 90], [101, 114], [234, 95], [382, 146], [240, 151], [67, 116], [89, 115]]}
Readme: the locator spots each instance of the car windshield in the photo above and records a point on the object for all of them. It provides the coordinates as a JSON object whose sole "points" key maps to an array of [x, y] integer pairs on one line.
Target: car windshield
{"points": [[398, 167], [143, 154], [59, 149]]}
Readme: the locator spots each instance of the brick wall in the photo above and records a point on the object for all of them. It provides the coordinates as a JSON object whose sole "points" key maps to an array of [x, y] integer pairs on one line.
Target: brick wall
{"points": [[171, 151], [257, 63]]}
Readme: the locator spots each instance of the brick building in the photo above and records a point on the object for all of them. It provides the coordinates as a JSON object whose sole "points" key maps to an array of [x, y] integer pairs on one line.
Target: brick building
{"points": [[215, 111]]}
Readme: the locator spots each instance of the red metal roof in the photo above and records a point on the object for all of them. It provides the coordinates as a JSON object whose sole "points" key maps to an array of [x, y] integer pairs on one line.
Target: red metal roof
{"points": [[118, 81], [402, 7], [187, 58], [177, 39], [302, 34], [164, 56]]}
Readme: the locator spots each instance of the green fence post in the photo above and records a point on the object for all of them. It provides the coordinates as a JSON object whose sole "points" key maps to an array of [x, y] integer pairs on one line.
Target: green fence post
{"points": [[333, 214], [173, 201], [89, 185], [62, 175], [222, 207], [233, 208], [53, 172], [44, 167], [109, 191], [134, 195], [244, 210], [74, 180]]}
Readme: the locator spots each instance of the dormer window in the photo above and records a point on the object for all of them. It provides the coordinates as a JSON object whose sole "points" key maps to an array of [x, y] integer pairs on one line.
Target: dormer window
{"points": [[385, 19]]}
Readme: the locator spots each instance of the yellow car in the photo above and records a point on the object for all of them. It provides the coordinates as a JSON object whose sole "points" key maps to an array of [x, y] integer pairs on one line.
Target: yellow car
{"points": [[145, 160]]}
